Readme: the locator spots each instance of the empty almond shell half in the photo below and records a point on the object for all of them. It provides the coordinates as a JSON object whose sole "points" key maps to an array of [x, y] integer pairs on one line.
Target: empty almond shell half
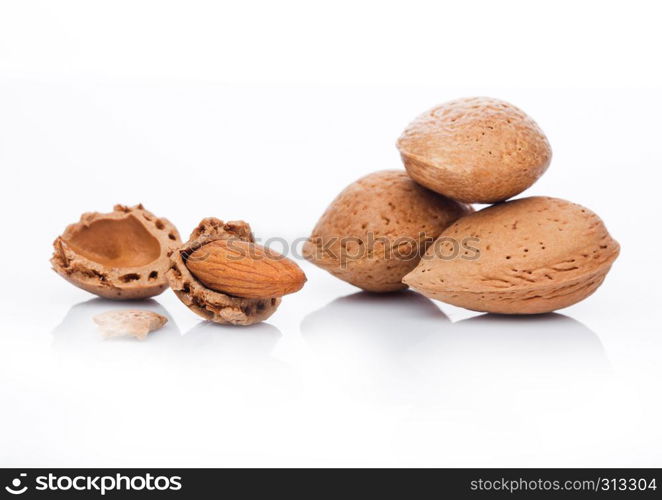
{"points": [[527, 256], [215, 305], [123, 254]]}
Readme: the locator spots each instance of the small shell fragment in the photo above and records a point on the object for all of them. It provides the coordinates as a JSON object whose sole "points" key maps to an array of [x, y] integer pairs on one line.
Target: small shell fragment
{"points": [[129, 322]]}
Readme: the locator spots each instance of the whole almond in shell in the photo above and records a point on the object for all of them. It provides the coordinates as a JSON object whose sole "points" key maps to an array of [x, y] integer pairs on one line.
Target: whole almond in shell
{"points": [[476, 150], [245, 269], [527, 256], [378, 228]]}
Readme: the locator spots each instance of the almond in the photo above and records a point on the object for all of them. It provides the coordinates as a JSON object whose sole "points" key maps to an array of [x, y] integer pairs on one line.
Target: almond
{"points": [[377, 229], [475, 150], [527, 256], [245, 269], [207, 303]]}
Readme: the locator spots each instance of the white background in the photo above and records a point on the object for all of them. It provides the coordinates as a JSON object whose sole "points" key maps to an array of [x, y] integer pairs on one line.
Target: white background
{"points": [[264, 111]]}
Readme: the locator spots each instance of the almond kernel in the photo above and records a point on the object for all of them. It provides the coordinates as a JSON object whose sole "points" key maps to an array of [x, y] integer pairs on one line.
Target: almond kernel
{"points": [[244, 269]]}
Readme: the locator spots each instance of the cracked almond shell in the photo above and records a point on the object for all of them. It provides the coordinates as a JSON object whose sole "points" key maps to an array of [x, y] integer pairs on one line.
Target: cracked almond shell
{"points": [[476, 150], [377, 229], [130, 322], [211, 304], [534, 255], [123, 254]]}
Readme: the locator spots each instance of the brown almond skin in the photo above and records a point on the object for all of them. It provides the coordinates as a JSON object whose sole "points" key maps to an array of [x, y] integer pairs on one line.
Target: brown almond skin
{"points": [[532, 255], [386, 221], [475, 150], [245, 269]]}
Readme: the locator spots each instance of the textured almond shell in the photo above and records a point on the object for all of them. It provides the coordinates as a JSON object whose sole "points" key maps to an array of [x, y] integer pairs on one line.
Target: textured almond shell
{"points": [[476, 150], [385, 204], [117, 281], [535, 255], [245, 269], [133, 322], [210, 304]]}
